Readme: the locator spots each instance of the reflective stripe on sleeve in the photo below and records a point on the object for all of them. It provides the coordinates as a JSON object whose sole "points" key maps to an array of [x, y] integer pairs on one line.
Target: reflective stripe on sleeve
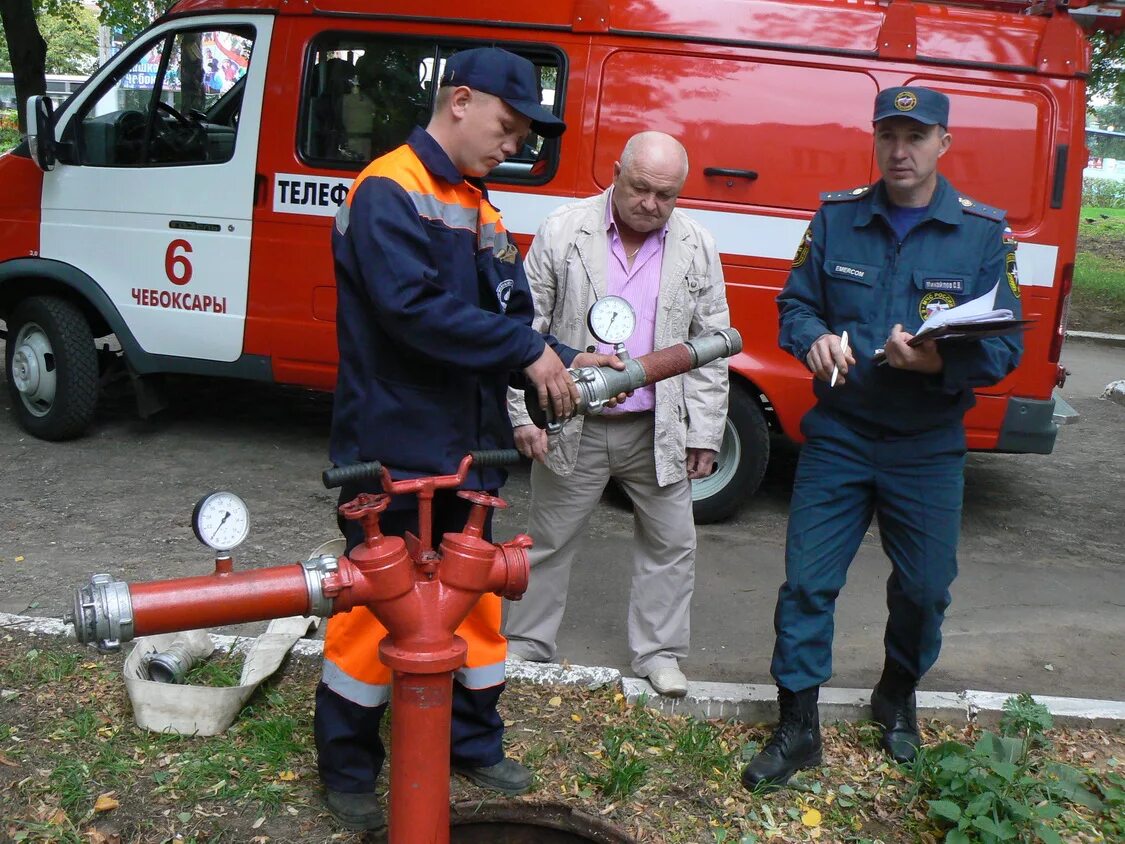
{"points": [[343, 217], [493, 236], [453, 215]]}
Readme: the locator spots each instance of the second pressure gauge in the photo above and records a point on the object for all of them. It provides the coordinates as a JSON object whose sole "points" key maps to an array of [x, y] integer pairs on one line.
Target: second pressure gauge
{"points": [[221, 520], [611, 320]]}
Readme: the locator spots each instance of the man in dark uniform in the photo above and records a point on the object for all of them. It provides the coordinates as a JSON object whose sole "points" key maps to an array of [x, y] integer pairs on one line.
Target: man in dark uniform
{"points": [[433, 316], [886, 439]]}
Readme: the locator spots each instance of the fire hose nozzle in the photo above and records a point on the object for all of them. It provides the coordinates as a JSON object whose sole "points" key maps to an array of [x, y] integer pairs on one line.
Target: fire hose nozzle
{"points": [[597, 385], [103, 613]]}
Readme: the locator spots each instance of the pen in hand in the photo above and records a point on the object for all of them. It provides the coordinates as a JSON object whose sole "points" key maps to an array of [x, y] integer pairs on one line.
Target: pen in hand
{"points": [[843, 351]]}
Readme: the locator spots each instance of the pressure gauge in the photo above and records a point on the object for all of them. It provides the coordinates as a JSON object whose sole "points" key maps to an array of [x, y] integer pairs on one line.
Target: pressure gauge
{"points": [[221, 520], [611, 320]]}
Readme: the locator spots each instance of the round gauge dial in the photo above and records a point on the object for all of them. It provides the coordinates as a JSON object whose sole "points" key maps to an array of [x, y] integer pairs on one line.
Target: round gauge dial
{"points": [[611, 320], [221, 520]]}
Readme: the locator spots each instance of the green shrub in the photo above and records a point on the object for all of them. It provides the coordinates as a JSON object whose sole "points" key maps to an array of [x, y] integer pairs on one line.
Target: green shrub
{"points": [[1005, 787], [9, 130], [1106, 193]]}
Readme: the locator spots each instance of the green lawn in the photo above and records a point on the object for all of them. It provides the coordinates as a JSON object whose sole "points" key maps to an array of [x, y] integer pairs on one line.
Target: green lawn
{"points": [[1098, 301]]}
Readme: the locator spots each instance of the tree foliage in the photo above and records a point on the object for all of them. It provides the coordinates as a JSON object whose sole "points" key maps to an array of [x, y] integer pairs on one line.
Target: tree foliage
{"points": [[71, 33], [1107, 66], [24, 35]]}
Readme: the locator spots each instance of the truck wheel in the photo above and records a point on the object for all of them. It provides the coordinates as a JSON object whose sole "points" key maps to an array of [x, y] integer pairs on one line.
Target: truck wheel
{"points": [[52, 368], [741, 462]]}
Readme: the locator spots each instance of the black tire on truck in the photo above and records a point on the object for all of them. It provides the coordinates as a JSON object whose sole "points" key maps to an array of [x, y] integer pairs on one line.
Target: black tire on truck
{"points": [[51, 368], [741, 462]]}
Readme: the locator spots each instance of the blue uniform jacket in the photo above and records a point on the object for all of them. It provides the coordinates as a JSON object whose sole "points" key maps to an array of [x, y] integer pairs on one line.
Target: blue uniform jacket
{"points": [[433, 317], [852, 273]]}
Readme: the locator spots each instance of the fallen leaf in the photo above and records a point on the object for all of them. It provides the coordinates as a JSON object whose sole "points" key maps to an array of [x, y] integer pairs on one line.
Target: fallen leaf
{"points": [[4, 760], [106, 802], [258, 822], [811, 818], [287, 776], [555, 701], [19, 559]]}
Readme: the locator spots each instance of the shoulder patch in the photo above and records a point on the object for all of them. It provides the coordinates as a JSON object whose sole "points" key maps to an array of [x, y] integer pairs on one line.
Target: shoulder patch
{"points": [[845, 195], [971, 206]]}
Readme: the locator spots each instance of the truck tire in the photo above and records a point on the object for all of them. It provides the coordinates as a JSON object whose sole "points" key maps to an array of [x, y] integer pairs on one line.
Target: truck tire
{"points": [[51, 367], [741, 462]]}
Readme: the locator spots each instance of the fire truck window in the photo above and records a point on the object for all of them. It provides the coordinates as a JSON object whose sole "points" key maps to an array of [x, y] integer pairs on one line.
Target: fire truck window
{"points": [[362, 97], [177, 102]]}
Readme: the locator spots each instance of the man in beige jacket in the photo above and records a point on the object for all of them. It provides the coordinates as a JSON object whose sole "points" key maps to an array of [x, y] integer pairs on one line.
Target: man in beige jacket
{"points": [[631, 242]]}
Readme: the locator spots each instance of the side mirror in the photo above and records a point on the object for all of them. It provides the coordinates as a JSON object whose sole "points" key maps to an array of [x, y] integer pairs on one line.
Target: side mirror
{"points": [[40, 131]]}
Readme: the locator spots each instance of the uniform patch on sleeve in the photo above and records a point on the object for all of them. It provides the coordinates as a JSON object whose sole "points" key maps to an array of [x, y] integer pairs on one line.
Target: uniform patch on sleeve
{"points": [[803, 250], [504, 294], [1013, 274], [931, 303], [1010, 237]]}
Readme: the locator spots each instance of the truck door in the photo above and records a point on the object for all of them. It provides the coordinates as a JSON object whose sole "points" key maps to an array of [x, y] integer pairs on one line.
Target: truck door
{"points": [[153, 200]]}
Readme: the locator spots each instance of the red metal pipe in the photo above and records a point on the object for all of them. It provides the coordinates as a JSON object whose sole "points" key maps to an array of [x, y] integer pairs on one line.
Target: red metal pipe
{"points": [[422, 708], [215, 600]]}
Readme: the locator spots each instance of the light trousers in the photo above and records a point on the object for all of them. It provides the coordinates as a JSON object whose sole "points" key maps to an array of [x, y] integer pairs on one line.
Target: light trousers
{"points": [[659, 618]]}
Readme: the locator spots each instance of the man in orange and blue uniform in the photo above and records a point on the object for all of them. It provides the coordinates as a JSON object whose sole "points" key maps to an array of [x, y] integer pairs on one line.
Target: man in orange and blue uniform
{"points": [[887, 440], [433, 318]]}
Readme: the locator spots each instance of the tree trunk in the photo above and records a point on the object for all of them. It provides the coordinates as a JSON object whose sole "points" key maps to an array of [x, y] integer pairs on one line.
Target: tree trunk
{"points": [[27, 50]]}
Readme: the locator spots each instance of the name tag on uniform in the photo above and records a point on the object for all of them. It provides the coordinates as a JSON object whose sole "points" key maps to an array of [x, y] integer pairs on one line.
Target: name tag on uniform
{"points": [[854, 272], [950, 285]]}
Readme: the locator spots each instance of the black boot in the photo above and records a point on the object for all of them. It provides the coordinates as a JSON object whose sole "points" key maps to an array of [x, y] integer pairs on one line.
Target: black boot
{"points": [[795, 743], [893, 707]]}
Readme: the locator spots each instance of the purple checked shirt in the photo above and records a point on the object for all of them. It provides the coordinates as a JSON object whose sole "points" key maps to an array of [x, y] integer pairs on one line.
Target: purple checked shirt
{"points": [[639, 285]]}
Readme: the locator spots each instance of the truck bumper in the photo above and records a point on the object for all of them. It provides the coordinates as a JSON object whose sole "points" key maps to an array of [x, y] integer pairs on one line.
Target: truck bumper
{"points": [[1031, 425]]}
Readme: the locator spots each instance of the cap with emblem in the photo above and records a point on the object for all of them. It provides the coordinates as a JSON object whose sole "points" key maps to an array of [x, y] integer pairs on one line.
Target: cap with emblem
{"points": [[507, 76], [922, 104]]}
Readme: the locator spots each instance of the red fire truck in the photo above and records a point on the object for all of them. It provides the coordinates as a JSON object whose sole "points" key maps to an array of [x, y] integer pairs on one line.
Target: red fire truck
{"points": [[181, 200]]}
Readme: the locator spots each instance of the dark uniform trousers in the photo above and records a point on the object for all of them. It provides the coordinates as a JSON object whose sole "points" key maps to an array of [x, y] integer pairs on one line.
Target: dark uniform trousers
{"points": [[350, 752], [913, 483]]}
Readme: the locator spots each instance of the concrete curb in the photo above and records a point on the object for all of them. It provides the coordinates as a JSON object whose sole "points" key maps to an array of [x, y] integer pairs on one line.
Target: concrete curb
{"points": [[1097, 337], [748, 703]]}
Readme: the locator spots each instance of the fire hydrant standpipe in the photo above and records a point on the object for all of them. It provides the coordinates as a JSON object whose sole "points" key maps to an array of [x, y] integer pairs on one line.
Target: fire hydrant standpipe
{"points": [[420, 594]]}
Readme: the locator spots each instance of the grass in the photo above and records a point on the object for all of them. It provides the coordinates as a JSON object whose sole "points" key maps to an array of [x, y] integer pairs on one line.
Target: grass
{"points": [[1098, 300], [75, 768]]}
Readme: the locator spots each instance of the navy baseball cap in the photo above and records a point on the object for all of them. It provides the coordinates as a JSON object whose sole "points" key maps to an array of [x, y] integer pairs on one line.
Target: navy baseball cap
{"points": [[507, 76], [922, 104]]}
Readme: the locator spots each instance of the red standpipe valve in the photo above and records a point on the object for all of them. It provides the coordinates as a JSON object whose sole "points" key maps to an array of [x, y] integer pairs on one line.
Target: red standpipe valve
{"points": [[421, 595]]}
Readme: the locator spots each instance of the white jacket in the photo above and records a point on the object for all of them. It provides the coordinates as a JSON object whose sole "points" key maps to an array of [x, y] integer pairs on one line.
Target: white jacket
{"points": [[567, 259]]}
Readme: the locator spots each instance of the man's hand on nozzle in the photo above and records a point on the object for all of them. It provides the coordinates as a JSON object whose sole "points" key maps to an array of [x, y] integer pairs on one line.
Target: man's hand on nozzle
{"points": [[825, 354], [558, 394], [531, 441], [595, 359]]}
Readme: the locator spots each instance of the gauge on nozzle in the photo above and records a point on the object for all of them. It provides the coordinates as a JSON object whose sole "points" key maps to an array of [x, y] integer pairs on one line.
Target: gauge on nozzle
{"points": [[612, 320], [221, 520]]}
